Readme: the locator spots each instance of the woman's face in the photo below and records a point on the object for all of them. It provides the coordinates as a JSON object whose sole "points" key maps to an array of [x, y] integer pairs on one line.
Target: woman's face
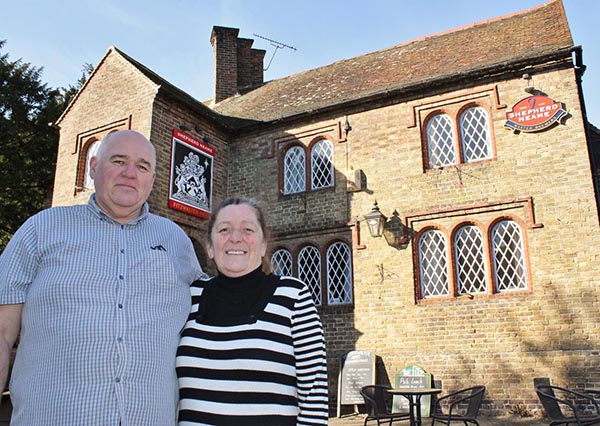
{"points": [[237, 243]]}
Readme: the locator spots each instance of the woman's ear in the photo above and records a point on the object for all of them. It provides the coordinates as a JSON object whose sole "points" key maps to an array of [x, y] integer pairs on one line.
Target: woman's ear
{"points": [[209, 251], [264, 249]]}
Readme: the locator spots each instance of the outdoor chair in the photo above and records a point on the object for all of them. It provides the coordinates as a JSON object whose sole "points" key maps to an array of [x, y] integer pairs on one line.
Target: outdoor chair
{"points": [[565, 406], [378, 403], [463, 406]]}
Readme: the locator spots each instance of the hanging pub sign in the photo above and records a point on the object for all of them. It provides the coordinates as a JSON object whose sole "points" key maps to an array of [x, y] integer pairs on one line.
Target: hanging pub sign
{"points": [[190, 183], [534, 113]]}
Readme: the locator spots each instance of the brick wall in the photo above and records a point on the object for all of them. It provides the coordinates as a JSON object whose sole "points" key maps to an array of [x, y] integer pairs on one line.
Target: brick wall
{"points": [[502, 341]]}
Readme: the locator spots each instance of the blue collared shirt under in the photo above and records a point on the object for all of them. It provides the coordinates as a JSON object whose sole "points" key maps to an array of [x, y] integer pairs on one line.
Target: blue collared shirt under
{"points": [[104, 304]]}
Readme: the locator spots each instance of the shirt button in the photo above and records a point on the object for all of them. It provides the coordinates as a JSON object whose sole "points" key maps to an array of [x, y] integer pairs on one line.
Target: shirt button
{"points": [[120, 306], [122, 251], [118, 380], [119, 339], [120, 277]]}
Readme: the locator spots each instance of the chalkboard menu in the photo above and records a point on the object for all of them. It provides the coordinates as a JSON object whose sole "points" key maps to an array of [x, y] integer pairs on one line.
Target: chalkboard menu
{"points": [[412, 377], [357, 369]]}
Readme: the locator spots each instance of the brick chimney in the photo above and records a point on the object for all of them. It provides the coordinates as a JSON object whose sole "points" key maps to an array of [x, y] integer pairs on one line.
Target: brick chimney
{"points": [[236, 64]]}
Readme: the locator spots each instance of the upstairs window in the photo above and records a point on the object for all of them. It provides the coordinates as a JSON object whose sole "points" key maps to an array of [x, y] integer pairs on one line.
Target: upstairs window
{"points": [[321, 164], [300, 177], [475, 135], [294, 170], [446, 146], [440, 141]]}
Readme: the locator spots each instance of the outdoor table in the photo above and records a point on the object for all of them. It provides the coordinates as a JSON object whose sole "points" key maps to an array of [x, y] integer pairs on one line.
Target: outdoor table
{"points": [[414, 401]]}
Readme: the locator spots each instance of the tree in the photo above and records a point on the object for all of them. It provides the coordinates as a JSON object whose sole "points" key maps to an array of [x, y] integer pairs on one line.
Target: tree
{"points": [[67, 94], [28, 144]]}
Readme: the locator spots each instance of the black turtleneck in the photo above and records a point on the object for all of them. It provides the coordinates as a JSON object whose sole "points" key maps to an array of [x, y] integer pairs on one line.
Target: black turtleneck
{"points": [[228, 300]]}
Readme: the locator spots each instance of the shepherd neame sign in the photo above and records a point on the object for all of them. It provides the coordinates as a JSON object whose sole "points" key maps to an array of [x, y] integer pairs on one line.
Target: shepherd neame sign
{"points": [[534, 113]]}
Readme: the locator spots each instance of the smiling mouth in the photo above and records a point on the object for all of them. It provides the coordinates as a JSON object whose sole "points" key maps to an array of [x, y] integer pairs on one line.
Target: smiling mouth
{"points": [[235, 252]]}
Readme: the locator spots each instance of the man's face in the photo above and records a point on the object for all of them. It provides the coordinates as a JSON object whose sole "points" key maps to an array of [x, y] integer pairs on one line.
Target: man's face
{"points": [[123, 174]]}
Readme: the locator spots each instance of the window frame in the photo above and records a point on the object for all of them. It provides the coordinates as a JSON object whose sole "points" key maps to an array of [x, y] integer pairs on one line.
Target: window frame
{"points": [[301, 187], [348, 273], [324, 286], [491, 277], [83, 164], [311, 165], [309, 184], [455, 112]]}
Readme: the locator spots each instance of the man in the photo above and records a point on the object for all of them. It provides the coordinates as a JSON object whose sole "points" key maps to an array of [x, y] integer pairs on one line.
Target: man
{"points": [[99, 293]]}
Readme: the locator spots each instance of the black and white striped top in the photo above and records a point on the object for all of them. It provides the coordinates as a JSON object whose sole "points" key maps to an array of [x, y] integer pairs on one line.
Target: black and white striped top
{"points": [[268, 368]]}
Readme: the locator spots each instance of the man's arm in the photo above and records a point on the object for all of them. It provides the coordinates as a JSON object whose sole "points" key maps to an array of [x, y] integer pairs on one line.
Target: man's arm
{"points": [[10, 325]]}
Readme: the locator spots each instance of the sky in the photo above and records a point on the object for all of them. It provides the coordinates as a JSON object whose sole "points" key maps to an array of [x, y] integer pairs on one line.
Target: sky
{"points": [[172, 37]]}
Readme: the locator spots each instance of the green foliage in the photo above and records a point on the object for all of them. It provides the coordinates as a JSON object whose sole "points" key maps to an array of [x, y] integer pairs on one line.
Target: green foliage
{"points": [[28, 144]]}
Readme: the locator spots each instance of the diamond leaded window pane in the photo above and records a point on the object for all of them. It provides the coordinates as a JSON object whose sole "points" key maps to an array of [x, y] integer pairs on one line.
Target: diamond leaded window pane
{"points": [[433, 264], [509, 256], [309, 270], [339, 274], [294, 171], [440, 141], [470, 263], [475, 134], [321, 158], [281, 263]]}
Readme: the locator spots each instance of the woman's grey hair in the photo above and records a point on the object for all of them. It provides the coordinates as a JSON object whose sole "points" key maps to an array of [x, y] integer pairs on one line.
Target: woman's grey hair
{"points": [[236, 200]]}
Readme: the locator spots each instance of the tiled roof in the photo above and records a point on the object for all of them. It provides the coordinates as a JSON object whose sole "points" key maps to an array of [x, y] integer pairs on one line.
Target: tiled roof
{"points": [[490, 44]]}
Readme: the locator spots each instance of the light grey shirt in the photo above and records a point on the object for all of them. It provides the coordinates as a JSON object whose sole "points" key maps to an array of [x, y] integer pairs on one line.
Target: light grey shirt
{"points": [[104, 304]]}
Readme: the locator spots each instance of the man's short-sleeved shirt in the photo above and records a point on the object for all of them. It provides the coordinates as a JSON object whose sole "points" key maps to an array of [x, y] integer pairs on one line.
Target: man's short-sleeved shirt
{"points": [[104, 304]]}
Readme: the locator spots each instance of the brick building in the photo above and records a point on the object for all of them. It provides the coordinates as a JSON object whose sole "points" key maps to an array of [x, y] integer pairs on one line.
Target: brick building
{"points": [[487, 271]]}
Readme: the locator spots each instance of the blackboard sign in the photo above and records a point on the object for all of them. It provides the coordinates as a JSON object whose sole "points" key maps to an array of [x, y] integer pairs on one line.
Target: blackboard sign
{"points": [[357, 369], [412, 377]]}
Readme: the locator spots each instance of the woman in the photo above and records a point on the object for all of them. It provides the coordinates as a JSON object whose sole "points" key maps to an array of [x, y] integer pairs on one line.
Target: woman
{"points": [[252, 351]]}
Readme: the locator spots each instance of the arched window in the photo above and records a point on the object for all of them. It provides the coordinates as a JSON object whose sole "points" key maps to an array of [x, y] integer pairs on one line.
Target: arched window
{"points": [[470, 261], [88, 182], [281, 263], [440, 141], [294, 170], [510, 272], [339, 274], [321, 164], [433, 264], [309, 270], [475, 135]]}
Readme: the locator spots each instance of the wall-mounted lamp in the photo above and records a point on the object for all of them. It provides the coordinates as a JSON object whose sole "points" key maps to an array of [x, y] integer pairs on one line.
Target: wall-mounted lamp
{"points": [[376, 221], [529, 88], [184, 128], [347, 127]]}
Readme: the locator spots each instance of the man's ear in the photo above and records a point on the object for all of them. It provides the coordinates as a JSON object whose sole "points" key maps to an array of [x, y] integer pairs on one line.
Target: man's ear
{"points": [[93, 164]]}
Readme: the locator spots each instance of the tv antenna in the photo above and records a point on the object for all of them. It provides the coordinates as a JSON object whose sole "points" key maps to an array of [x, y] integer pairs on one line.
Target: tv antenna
{"points": [[277, 45]]}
